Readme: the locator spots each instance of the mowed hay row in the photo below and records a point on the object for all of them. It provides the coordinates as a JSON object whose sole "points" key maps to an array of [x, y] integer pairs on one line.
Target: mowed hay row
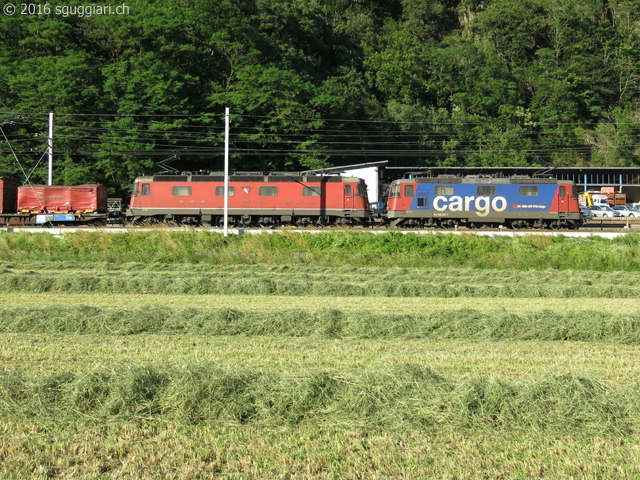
{"points": [[356, 275], [405, 394], [415, 285], [468, 324]]}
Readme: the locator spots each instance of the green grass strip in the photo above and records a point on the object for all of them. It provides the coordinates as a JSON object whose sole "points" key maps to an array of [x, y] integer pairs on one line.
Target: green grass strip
{"points": [[334, 248]]}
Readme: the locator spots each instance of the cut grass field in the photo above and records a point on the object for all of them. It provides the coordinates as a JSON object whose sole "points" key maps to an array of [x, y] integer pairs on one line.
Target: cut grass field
{"points": [[304, 280], [310, 303], [193, 365], [458, 361]]}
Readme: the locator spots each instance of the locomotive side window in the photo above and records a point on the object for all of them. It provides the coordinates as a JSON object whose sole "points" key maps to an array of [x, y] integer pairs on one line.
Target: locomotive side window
{"points": [[145, 189], [528, 191], [408, 190], [220, 191], [347, 189], [268, 191], [563, 191], [181, 191], [443, 190], [311, 191], [486, 190]]}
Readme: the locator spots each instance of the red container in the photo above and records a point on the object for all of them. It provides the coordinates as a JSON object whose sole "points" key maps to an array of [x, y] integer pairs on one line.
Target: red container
{"points": [[8, 195], [62, 199]]}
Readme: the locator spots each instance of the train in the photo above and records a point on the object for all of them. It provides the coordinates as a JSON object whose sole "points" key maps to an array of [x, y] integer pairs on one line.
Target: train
{"points": [[48, 205], [271, 199], [475, 201], [255, 199]]}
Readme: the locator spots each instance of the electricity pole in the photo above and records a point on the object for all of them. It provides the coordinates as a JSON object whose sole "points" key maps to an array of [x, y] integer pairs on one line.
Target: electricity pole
{"points": [[50, 149]]}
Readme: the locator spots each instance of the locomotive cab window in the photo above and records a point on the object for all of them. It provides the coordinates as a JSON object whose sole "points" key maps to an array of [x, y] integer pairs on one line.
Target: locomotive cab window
{"points": [[311, 191], [181, 191], [563, 191], [145, 189], [408, 190], [220, 191], [528, 191], [486, 190], [347, 189], [445, 190], [361, 190], [268, 191]]}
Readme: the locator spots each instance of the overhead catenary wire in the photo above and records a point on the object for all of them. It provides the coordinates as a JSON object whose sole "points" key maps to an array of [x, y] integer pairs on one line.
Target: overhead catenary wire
{"points": [[21, 168], [235, 116], [156, 134]]}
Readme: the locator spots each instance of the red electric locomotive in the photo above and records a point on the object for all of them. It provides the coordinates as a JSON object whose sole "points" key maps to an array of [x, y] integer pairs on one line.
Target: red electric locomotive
{"points": [[255, 199]]}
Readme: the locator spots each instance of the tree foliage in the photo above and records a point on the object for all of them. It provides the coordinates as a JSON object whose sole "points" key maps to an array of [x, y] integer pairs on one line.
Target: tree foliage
{"points": [[314, 83]]}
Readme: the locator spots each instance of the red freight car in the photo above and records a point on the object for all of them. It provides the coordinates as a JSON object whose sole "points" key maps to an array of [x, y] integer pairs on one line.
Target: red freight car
{"points": [[254, 199], [62, 199], [55, 205], [8, 195]]}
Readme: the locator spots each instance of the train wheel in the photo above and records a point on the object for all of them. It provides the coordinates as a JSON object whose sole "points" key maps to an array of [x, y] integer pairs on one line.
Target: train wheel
{"points": [[555, 225], [144, 221]]}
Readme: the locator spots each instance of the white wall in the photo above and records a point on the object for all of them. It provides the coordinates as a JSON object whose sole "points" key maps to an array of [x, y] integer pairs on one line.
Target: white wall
{"points": [[370, 176]]}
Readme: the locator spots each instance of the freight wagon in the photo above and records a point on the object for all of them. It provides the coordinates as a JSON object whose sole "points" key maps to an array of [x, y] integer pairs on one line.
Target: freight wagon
{"points": [[47, 205]]}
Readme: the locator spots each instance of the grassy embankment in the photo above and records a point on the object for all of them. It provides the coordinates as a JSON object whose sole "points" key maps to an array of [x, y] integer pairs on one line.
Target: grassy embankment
{"points": [[178, 355], [331, 249]]}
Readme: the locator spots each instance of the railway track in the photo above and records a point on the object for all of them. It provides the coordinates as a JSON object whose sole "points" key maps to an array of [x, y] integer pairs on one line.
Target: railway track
{"points": [[605, 228]]}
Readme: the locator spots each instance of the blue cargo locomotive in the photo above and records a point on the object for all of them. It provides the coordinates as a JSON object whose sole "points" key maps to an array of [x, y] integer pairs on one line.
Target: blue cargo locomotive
{"points": [[474, 201]]}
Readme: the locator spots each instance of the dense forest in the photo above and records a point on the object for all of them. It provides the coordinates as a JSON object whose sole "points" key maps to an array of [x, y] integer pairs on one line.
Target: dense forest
{"points": [[316, 83]]}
